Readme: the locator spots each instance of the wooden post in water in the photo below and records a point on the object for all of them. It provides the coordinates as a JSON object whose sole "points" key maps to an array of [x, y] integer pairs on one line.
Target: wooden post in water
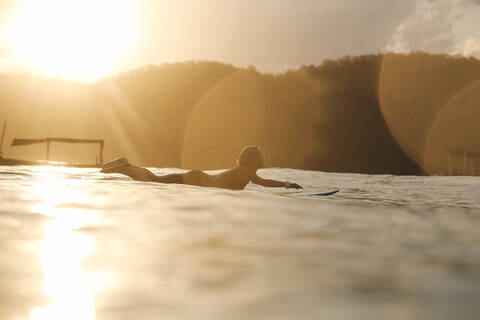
{"points": [[101, 152], [48, 149], [465, 162], [3, 136], [449, 164]]}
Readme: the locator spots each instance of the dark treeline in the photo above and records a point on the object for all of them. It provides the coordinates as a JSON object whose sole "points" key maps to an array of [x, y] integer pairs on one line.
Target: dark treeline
{"points": [[200, 114]]}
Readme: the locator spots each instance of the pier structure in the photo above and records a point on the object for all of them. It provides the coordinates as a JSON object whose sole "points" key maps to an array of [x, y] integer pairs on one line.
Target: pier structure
{"points": [[48, 140]]}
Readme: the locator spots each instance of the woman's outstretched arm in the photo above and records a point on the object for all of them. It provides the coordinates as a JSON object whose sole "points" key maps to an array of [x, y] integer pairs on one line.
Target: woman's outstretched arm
{"points": [[274, 183]]}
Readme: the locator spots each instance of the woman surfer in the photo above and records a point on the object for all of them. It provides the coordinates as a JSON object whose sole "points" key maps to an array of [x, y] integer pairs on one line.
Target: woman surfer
{"points": [[236, 178]]}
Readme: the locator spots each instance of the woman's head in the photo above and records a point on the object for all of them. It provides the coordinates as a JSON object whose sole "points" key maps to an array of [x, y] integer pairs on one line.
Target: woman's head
{"points": [[251, 156]]}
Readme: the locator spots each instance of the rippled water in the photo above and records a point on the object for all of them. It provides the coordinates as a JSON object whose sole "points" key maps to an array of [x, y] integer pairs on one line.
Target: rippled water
{"points": [[77, 244]]}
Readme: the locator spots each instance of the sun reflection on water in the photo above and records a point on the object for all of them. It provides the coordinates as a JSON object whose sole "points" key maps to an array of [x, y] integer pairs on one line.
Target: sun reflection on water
{"points": [[70, 288]]}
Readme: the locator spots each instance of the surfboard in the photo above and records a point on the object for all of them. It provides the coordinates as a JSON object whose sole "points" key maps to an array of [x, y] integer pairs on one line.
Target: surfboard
{"points": [[324, 194], [319, 194]]}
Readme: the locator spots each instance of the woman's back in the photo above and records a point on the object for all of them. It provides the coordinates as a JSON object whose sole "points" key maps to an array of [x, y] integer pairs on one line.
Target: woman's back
{"points": [[235, 179]]}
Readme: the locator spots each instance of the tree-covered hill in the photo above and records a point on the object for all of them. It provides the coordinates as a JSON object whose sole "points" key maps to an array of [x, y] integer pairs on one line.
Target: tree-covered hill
{"points": [[200, 114]]}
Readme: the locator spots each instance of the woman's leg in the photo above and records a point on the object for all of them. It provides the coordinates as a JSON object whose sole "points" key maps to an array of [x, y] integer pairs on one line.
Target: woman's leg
{"points": [[170, 178], [122, 166], [194, 177]]}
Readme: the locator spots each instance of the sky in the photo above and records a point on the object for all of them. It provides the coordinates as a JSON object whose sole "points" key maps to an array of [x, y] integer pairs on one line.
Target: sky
{"points": [[89, 39]]}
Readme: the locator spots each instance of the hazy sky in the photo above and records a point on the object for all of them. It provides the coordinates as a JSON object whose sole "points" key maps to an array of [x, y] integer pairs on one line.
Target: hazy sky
{"points": [[273, 35]]}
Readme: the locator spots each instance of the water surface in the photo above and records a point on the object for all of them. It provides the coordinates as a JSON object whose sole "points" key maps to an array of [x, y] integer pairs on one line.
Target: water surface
{"points": [[77, 244]]}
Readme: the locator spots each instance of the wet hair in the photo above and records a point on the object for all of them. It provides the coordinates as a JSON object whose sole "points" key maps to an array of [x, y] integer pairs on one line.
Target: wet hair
{"points": [[250, 155]]}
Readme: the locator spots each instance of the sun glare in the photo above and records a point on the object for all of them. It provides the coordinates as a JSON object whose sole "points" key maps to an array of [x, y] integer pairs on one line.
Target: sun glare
{"points": [[72, 39], [70, 288]]}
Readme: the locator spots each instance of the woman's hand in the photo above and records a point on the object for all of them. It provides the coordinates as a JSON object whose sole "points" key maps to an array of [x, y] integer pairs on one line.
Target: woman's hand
{"points": [[291, 185]]}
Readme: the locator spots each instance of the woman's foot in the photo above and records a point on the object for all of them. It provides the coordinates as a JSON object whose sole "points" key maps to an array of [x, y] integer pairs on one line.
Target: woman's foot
{"points": [[114, 165]]}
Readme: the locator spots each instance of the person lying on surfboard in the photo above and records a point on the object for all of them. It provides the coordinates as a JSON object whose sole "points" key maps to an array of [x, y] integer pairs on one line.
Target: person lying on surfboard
{"points": [[236, 178]]}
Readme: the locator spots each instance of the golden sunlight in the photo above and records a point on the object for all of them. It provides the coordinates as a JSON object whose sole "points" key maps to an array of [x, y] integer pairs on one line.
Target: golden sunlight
{"points": [[72, 39], [64, 280], [70, 288]]}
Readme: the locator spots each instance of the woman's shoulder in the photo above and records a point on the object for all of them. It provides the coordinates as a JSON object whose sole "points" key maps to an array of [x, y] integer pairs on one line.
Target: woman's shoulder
{"points": [[241, 171]]}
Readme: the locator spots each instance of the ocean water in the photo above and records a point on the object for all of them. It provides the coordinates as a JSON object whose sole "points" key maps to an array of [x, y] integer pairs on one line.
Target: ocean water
{"points": [[78, 244]]}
